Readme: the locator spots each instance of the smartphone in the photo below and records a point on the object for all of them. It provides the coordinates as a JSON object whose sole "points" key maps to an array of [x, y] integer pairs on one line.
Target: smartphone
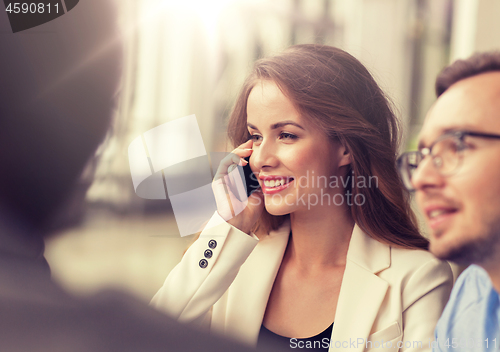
{"points": [[251, 182]]}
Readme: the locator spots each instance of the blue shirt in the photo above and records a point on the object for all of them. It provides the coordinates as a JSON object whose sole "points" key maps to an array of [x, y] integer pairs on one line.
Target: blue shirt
{"points": [[470, 321]]}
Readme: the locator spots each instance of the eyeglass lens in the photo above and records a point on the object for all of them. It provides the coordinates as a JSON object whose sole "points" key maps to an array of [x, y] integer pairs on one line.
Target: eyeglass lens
{"points": [[446, 156]]}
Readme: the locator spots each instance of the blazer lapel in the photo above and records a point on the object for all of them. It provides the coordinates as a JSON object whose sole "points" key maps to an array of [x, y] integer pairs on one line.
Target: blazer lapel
{"points": [[249, 293], [361, 295], [362, 292]]}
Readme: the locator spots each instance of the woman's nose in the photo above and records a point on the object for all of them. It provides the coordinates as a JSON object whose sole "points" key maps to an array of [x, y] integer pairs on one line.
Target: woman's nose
{"points": [[264, 156]]}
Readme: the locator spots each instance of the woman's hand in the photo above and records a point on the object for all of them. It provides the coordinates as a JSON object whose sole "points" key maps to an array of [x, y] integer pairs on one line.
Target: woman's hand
{"points": [[244, 212]]}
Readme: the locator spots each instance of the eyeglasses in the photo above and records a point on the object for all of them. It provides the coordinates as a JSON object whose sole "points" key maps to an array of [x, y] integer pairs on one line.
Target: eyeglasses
{"points": [[446, 153]]}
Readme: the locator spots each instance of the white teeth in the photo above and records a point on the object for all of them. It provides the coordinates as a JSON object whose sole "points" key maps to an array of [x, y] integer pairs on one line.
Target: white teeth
{"points": [[436, 213], [274, 183]]}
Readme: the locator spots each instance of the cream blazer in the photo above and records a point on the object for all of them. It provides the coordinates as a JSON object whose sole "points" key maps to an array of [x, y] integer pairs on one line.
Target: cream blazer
{"points": [[388, 295]]}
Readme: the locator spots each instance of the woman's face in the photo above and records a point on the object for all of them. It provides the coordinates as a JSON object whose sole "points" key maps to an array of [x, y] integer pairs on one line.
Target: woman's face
{"points": [[298, 167]]}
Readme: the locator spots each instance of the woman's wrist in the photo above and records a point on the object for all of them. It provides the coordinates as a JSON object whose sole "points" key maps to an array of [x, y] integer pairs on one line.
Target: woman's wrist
{"points": [[240, 225]]}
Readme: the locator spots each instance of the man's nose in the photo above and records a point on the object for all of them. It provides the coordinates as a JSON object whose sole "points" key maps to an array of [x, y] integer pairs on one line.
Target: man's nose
{"points": [[426, 175]]}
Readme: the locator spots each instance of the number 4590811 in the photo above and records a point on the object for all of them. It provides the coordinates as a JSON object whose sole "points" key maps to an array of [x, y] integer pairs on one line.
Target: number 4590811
{"points": [[31, 8]]}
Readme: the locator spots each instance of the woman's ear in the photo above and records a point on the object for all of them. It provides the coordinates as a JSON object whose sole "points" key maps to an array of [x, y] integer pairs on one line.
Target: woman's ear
{"points": [[345, 158]]}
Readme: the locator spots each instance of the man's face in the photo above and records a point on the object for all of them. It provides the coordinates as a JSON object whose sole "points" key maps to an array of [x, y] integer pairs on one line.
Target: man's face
{"points": [[463, 209]]}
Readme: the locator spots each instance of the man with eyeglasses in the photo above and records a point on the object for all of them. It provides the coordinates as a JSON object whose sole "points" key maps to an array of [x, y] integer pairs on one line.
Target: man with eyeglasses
{"points": [[456, 178]]}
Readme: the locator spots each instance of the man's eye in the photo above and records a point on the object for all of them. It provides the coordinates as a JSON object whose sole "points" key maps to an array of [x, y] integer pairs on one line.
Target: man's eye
{"points": [[454, 147], [464, 146], [285, 135]]}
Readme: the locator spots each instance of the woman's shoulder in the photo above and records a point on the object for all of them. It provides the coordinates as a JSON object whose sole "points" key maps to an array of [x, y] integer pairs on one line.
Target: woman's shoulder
{"points": [[416, 272], [411, 255], [411, 262], [415, 258]]}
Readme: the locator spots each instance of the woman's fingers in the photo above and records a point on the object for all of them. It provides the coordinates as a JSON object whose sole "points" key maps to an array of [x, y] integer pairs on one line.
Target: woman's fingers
{"points": [[232, 159], [243, 151], [228, 185], [247, 145]]}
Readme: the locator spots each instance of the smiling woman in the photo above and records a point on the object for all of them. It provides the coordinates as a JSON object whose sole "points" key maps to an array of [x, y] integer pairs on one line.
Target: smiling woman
{"points": [[305, 252], [337, 95]]}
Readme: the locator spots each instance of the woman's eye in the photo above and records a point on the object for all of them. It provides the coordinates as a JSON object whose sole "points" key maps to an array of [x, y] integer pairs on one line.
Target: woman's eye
{"points": [[255, 137], [284, 135]]}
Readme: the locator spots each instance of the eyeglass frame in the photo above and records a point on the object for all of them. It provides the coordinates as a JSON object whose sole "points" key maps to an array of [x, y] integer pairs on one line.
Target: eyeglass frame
{"points": [[457, 135]]}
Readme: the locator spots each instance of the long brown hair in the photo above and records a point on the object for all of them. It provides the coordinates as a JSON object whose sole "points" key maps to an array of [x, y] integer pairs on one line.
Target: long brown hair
{"points": [[336, 92]]}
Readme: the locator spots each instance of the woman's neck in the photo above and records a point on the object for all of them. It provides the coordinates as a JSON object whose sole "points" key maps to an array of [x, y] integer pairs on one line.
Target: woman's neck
{"points": [[320, 237]]}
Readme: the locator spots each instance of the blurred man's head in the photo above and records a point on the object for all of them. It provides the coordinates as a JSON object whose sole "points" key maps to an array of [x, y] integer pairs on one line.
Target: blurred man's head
{"points": [[459, 189], [58, 85]]}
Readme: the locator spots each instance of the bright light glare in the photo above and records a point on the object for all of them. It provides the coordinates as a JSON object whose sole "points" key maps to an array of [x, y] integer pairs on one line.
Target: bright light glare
{"points": [[207, 11]]}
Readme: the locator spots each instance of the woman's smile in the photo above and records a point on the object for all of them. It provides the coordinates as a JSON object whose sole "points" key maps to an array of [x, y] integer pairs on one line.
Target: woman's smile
{"points": [[274, 184]]}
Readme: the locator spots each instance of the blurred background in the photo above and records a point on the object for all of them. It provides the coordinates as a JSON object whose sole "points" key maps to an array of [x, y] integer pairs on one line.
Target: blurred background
{"points": [[191, 57]]}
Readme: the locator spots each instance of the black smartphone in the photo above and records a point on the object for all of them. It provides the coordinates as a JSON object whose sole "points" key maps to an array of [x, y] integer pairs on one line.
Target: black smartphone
{"points": [[251, 182]]}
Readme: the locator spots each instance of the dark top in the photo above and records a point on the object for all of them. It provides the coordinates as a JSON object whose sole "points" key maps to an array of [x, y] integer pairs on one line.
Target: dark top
{"points": [[318, 342]]}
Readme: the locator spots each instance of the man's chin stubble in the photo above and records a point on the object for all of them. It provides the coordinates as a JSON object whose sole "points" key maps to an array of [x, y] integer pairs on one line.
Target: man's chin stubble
{"points": [[476, 252]]}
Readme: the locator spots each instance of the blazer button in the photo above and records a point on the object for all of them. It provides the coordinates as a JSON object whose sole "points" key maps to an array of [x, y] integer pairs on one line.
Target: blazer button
{"points": [[203, 263], [208, 254], [212, 244]]}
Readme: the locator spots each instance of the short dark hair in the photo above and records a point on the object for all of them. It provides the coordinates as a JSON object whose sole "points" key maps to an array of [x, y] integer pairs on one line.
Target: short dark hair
{"points": [[57, 92], [462, 69]]}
